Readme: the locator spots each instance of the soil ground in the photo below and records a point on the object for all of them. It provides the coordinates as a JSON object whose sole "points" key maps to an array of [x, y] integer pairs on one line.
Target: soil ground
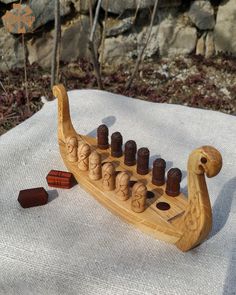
{"points": [[193, 81]]}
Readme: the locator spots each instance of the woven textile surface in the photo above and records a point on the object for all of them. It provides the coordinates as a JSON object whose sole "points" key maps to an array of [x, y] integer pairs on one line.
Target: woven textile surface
{"points": [[73, 245]]}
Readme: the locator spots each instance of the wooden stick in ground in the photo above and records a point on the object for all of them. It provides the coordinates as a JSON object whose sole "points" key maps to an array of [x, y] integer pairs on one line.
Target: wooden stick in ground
{"points": [[103, 36], [26, 79], [59, 45], [92, 46], [91, 14], [55, 44], [139, 59]]}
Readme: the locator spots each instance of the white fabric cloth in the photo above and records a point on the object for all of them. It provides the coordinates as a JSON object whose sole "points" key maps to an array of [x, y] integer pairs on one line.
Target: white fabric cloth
{"points": [[73, 245]]}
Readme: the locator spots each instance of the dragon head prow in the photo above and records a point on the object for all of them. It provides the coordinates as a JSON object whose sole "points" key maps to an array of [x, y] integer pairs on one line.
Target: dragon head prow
{"points": [[59, 90], [205, 159]]}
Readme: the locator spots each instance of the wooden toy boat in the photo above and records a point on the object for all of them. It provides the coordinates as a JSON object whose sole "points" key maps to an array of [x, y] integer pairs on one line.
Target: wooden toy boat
{"points": [[185, 223]]}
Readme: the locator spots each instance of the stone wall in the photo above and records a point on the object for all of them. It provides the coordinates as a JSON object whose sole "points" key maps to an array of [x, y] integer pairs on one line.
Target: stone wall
{"points": [[180, 27]]}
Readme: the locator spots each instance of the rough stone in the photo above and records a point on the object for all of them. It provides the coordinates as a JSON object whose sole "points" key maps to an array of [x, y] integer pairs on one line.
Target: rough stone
{"points": [[210, 45], [200, 48], [40, 49], [8, 1], [82, 6], [116, 27], [171, 36], [11, 51], [74, 43], [119, 49], [118, 7], [201, 14], [224, 33], [44, 11]]}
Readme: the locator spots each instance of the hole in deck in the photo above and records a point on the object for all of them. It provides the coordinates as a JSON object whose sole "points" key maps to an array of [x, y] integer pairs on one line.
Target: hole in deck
{"points": [[150, 195], [163, 206]]}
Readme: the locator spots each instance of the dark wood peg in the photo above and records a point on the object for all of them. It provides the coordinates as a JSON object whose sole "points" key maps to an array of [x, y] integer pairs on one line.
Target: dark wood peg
{"points": [[116, 144], [102, 137], [130, 153], [143, 161], [174, 177], [158, 172]]}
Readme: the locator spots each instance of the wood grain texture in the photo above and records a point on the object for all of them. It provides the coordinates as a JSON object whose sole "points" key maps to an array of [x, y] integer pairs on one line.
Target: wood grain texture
{"points": [[60, 179], [186, 223]]}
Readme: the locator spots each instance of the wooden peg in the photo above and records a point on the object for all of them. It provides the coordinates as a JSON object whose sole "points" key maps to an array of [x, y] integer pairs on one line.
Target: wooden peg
{"points": [[139, 195], [108, 176], [116, 144], [95, 166], [71, 148], [102, 137], [122, 186], [143, 161], [83, 156], [130, 153], [158, 172], [174, 177]]}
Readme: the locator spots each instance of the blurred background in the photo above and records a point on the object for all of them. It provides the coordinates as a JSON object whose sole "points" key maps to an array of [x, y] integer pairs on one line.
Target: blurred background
{"points": [[166, 51]]}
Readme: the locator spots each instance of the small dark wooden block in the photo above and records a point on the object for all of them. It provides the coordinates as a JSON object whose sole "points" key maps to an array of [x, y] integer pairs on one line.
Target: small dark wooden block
{"points": [[60, 179], [33, 197], [158, 172], [174, 177], [116, 144], [143, 161], [130, 153], [102, 137]]}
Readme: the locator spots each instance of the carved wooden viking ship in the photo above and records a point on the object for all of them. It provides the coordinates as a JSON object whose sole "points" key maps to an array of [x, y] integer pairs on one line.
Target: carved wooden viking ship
{"points": [[133, 196]]}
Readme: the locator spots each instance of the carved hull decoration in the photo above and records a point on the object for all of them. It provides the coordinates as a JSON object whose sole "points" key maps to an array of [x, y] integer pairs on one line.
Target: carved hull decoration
{"points": [[182, 221]]}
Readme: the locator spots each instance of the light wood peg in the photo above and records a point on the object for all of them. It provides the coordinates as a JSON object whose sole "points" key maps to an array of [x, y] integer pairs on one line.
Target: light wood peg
{"points": [[83, 156], [71, 148], [95, 166], [108, 177], [122, 186], [139, 195]]}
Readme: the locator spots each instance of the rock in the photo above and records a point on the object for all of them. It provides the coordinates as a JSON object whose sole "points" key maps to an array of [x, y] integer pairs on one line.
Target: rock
{"points": [[40, 49], [224, 33], [11, 51], [116, 27], [82, 6], [183, 42], [118, 50], [74, 43], [118, 7], [44, 11], [201, 14], [210, 45], [75, 39], [200, 47], [8, 1], [170, 37]]}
